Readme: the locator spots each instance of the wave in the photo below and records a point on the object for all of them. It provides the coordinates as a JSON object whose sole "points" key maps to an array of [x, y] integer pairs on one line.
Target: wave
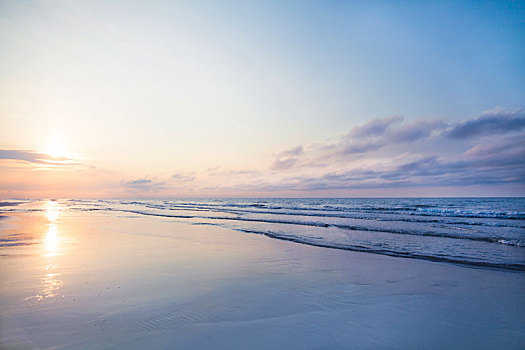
{"points": [[485, 233], [217, 209], [9, 204], [515, 242], [357, 248], [348, 215], [15, 244], [417, 209], [486, 239], [296, 212]]}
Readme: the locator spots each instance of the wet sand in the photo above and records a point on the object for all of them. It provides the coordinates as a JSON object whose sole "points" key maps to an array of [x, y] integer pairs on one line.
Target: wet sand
{"points": [[78, 280]]}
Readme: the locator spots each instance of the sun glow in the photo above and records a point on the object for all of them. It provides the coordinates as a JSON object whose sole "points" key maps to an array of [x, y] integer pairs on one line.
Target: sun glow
{"points": [[56, 150], [52, 211], [51, 240]]}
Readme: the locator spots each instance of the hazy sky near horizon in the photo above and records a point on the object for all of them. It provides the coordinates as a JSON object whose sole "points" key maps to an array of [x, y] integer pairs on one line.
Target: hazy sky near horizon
{"points": [[261, 98]]}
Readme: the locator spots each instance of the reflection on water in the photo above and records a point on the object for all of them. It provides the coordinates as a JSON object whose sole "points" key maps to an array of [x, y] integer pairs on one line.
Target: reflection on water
{"points": [[51, 282], [51, 245], [51, 241], [52, 209]]}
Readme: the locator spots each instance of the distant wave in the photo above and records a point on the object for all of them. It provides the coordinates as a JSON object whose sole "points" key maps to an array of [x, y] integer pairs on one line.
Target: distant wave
{"points": [[9, 204], [500, 240], [16, 244], [488, 239], [512, 267], [424, 210], [475, 232], [338, 214]]}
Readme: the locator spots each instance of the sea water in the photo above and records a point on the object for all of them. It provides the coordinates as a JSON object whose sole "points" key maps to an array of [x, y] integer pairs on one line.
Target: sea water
{"points": [[487, 232]]}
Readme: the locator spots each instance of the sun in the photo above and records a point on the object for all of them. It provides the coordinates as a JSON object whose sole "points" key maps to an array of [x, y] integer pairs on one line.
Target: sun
{"points": [[56, 150]]}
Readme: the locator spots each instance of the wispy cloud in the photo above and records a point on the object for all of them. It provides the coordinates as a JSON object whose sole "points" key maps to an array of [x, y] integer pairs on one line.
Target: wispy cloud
{"points": [[38, 158], [495, 121], [376, 136], [296, 151], [287, 158], [356, 147], [430, 171], [379, 133], [388, 154], [183, 177], [375, 127], [287, 163], [143, 184], [417, 130], [227, 172], [391, 152]]}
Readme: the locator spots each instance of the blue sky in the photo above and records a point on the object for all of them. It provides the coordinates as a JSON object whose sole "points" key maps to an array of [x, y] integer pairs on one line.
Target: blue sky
{"points": [[161, 98]]}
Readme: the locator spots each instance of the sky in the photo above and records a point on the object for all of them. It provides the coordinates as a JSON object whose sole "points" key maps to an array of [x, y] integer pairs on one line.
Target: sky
{"points": [[161, 99]]}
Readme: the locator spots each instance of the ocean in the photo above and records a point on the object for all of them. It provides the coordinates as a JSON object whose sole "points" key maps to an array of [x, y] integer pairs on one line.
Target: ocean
{"points": [[227, 273], [486, 232]]}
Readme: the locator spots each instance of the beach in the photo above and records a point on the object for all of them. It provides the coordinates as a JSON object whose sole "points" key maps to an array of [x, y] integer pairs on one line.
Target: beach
{"points": [[102, 280], [262, 175]]}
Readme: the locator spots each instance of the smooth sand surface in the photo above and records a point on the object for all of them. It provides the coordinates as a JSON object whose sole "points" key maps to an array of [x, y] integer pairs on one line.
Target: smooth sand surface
{"points": [[95, 281]]}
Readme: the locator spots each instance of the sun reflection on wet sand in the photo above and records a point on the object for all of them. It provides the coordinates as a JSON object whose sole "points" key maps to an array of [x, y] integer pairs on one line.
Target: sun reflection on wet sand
{"points": [[51, 246], [51, 282], [51, 241], [52, 209]]}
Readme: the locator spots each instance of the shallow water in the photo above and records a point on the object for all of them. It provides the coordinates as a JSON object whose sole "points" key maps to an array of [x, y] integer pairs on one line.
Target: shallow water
{"points": [[486, 232], [78, 278]]}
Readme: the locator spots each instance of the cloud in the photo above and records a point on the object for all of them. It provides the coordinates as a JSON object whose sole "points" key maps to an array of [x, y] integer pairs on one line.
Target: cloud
{"points": [[183, 177], [494, 151], [375, 127], [419, 129], [385, 153], [427, 171], [362, 139], [287, 159], [427, 152], [388, 153], [391, 130], [378, 134], [354, 148], [489, 161], [37, 158], [227, 172], [283, 164], [296, 151], [143, 184], [496, 121]]}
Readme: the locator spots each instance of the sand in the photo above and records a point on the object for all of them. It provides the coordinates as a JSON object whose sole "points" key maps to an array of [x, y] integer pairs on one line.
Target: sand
{"points": [[100, 281]]}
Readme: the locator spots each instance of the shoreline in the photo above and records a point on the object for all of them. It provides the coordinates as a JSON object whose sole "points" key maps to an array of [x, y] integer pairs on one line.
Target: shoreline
{"points": [[453, 232], [135, 282]]}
